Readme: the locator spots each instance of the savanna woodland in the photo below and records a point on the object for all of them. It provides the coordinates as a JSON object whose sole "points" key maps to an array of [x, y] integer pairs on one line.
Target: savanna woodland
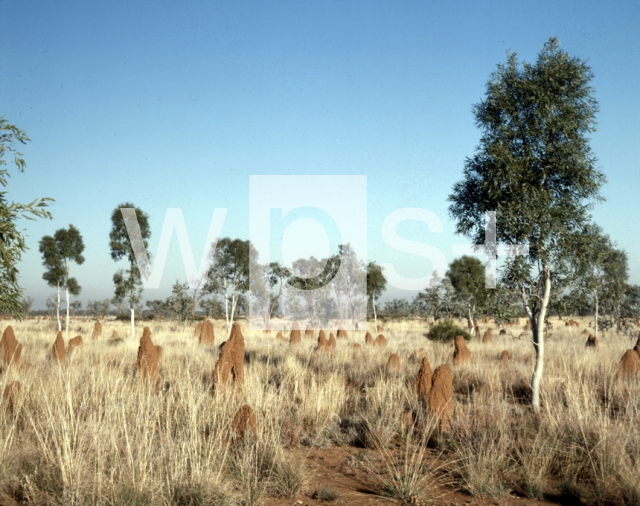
{"points": [[526, 391]]}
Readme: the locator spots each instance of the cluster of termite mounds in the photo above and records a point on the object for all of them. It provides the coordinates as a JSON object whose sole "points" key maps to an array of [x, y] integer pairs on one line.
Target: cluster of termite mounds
{"points": [[378, 341], [435, 391]]}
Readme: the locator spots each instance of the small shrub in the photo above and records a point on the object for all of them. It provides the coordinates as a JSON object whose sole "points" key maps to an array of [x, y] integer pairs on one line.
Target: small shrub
{"points": [[289, 478], [446, 332], [326, 494]]}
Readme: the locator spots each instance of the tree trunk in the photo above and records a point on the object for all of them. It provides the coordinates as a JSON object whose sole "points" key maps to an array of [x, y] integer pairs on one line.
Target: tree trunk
{"points": [[67, 322], [375, 315], [58, 310], [595, 324], [471, 319], [538, 343], [226, 306], [133, 321]]}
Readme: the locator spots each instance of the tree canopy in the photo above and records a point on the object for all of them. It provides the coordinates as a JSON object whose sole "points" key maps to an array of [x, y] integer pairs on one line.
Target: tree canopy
{"points": [[12, 239], [535, 169]]}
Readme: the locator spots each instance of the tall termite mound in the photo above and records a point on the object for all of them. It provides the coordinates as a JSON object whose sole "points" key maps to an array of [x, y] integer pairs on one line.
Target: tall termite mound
{"points": [[74, 342], [58, 352], [148, 360], [323, 343], [205, 333], [393, 364], [461, 354], [441, 396], [230, 365], [629, 366], [487, 337], [332, 341], [10, 348], [97, 330], [423, 380], [342, 334], [295, 338], [368, 339]]}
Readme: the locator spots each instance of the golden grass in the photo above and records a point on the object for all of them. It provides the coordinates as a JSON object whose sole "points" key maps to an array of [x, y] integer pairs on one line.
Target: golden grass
{"points": [[94, 433]]}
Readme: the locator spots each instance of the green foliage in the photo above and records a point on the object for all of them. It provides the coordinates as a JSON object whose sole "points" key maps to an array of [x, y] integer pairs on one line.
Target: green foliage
{"points": [[535, 170], [99, 307], [438, 297], [446, 332], [601, 270], [212, 308], [376, 282], [326, 494], [180, 304], [58, 252], [13, 242], [128, 285], [534, 166], [228, 275], [467, 277]]}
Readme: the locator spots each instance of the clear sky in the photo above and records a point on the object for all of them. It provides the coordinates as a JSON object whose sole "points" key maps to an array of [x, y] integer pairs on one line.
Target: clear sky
{"points": [[177, 103]]}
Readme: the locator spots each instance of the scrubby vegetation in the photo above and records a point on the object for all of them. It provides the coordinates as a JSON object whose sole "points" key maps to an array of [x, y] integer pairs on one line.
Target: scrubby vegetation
{"points": [[94, 432]]}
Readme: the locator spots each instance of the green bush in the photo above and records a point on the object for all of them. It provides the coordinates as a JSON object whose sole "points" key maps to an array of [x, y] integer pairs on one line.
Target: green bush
{"points": [[445, 332]]}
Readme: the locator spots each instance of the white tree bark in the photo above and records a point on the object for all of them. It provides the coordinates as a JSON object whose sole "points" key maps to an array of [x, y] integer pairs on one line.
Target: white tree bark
{"points": [[375, 315], [595, 294], [133, 328], [538, 342], [67, 321], [58, 310]]}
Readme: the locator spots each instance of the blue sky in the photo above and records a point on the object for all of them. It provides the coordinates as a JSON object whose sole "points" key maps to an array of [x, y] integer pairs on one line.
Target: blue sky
{"points": [[177, 104]]}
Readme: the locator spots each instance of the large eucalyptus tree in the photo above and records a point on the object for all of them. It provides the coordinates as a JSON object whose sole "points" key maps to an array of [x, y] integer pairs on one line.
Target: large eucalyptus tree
{"points": [[534, 168]]}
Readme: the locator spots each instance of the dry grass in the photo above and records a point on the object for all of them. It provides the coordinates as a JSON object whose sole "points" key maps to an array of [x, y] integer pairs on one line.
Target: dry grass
{"points": [[94, 433]]}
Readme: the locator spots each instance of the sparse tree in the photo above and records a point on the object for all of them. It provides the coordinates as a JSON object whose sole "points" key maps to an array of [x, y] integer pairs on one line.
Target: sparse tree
{"points": [[212, 308], [601, 270], [228, 275], [180, 304], [76, 305], [26, 304], [128, 284], [534, 168], [13, 242], [279, 276], [376, 284], [468, 280], [58, 252], [99, 307]]}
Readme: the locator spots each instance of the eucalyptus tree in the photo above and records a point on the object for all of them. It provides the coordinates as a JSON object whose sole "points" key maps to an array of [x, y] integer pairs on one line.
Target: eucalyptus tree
{"points": [[601, 271], [376, 284], [128, 284], [535, 169], [13, 242], [228, 274], [277, 276], [467, 276], [58, 252]]}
